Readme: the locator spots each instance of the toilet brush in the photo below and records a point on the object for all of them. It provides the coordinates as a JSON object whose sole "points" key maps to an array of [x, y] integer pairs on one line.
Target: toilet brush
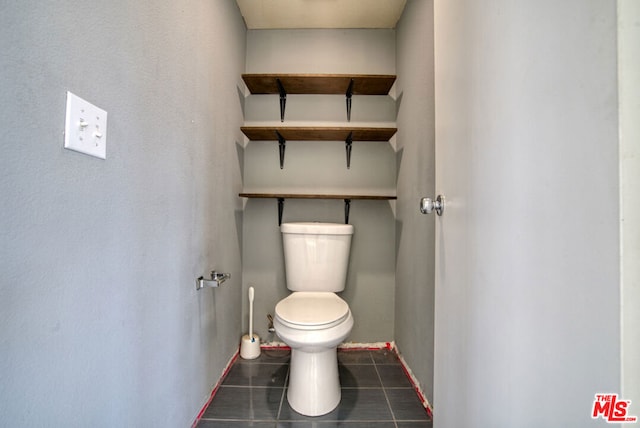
{"points": [[250, 346], [251, 296]]}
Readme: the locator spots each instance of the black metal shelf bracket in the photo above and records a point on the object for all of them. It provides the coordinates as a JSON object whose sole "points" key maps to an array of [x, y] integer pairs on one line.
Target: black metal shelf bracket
{"points": [[282, 144], [283, 99], [347, 207], [280, 210], [349, 94], [348, 144]]}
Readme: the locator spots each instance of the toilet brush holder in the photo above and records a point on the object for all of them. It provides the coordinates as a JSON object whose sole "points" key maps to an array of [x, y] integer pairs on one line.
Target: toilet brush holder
{"points": [[250, 347]]}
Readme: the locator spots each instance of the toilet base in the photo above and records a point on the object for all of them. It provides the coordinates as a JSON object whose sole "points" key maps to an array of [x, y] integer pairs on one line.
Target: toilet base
{"points": [[314, 384]]}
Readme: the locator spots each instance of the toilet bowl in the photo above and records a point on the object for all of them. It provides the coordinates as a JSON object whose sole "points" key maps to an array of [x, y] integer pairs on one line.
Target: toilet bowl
{"points": [[313, 320], [313, 324]]}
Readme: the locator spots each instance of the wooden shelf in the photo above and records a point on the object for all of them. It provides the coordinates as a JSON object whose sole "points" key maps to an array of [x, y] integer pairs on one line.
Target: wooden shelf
{"points": [[328, 84], [346, 134], [346, 197], [270, 133], [316, 196]]}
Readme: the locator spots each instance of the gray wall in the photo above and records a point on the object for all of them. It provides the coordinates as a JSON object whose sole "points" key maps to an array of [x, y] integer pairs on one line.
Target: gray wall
{"points": [[321, 167], [100, 323], [416, 175], [527, 268]]}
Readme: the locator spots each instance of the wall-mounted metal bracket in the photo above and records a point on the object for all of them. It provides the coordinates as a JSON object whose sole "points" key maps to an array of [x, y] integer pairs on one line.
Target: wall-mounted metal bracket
{"points": [[216, 280], [282, 143], [283, 99], [347, 207], [348, 143], [280, 210], [349, 94]]}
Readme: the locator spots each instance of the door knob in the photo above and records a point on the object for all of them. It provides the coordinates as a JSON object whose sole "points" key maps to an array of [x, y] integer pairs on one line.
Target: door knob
{"points": [[428, 205]]}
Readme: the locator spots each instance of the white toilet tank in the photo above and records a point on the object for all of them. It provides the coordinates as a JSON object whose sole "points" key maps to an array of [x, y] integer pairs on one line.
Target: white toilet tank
{"points": [[316, 255]]}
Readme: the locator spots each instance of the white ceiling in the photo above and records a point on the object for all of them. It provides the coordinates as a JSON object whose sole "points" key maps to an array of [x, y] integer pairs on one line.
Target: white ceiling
{"points": [[274, 14]]}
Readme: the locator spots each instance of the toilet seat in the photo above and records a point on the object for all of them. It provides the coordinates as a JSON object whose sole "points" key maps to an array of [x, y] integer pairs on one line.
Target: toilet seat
{"points": [[306, 310]]}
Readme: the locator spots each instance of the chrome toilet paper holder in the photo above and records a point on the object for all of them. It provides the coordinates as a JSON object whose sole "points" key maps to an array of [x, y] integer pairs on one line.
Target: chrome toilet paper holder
{"points": [[216, 280]]}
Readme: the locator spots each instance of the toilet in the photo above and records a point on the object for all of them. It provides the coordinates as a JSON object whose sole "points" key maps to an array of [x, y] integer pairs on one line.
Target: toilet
{"points": [[313, 320]]}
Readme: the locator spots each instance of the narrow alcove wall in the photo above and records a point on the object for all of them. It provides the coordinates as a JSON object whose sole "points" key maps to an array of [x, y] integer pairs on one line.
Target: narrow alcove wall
{"points": [[321, 167]]}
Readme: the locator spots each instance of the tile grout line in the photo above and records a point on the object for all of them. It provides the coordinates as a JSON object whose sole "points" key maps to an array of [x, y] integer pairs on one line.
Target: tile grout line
{"points": [[284, 391], [393, 416]]}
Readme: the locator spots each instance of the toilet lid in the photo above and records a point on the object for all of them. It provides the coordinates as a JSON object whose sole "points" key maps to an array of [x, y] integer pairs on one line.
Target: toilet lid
{"points": [[308, 309]]}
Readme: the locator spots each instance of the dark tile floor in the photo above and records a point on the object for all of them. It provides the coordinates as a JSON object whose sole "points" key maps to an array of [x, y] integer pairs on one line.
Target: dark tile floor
{"points": [[375, 393]]}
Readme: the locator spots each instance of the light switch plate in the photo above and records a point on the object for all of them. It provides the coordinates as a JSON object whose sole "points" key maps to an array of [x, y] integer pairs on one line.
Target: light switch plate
{"points": [[85, 128]]}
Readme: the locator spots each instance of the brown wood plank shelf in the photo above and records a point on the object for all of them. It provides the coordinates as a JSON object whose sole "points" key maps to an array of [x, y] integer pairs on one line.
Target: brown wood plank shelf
{"points": [[346, 197], [328, 84], [315, 196], [300, 133], [346, 134]]}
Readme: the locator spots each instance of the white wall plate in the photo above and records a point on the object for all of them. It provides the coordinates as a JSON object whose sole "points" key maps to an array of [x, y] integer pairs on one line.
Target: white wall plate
{"points": [[85, 127]]}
